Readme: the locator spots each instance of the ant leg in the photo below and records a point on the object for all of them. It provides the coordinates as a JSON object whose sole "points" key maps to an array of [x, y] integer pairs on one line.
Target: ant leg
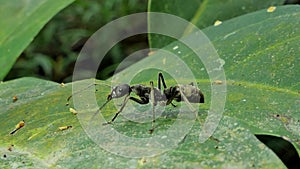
{"points": [[173, 104], [140, 101], [161, 80], [120, 110], [98, 111], [189, 104], [153, 108]]}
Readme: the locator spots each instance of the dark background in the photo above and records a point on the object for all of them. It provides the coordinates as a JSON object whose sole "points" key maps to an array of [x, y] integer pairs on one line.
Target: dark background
{"points": [[54, 51]]}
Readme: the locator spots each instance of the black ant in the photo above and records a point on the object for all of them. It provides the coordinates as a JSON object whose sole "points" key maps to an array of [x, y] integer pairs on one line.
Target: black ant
{"points": [[188, 93]]}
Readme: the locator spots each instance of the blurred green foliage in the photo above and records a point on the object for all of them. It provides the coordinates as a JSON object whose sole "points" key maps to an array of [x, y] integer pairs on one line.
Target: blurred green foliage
{"points": [[54, 51]]}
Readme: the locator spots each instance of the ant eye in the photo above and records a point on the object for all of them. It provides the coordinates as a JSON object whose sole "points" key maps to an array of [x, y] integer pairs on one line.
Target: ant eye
{"points": [[120, 90]]}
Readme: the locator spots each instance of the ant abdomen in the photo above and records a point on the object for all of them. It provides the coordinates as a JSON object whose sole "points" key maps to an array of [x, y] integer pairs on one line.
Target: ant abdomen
{"points": [[192, 93]]}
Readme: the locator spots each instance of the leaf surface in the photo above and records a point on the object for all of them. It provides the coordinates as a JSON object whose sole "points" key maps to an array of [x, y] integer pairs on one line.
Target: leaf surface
{"points": [[261, 65], [202, 13]]}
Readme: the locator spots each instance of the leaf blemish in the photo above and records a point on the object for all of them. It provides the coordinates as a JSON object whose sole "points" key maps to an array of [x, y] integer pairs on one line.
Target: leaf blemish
{"points": [[217, 23], [230, 34], [73, 111], [164, 61], [15, 98], [10, 148], [218, 82], [18, 126], [64, 127], [271, 9]]}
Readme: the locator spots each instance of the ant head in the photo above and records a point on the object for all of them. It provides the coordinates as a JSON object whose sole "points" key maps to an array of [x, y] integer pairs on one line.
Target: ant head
{"points": [[119, 91]]}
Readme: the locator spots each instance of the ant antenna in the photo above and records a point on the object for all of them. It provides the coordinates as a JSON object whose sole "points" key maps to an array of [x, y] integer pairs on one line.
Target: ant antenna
{"points": [[68, 99], [103, 105]]}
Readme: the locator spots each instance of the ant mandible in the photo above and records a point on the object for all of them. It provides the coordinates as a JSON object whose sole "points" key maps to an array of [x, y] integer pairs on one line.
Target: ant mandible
{"points": [[188, 93]]}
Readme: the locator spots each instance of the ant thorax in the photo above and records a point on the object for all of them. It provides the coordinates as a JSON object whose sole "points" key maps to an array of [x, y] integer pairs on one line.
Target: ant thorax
{"points": [[141, 90], [144, 91]]}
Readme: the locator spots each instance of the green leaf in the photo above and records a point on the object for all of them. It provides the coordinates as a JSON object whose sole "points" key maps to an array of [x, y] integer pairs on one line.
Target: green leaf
{"points": [[20, 21], [40, 144], [203, 13], [261, 65]]}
